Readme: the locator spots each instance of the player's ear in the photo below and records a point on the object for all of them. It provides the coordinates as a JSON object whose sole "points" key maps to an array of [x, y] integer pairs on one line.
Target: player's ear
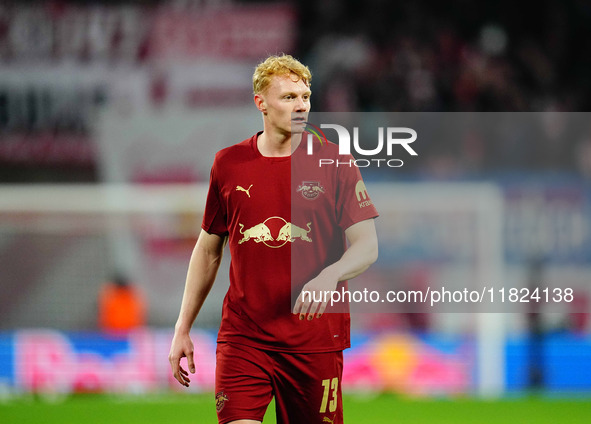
{"points": [[260, 103]]}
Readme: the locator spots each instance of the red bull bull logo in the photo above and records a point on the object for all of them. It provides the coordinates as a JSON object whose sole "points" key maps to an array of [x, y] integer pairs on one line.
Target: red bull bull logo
{"points": [[259, 233], [290, 232], [285, 232]]}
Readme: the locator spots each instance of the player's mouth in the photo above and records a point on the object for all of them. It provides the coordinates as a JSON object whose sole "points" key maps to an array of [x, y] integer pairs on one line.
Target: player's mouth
{"points": [[301, 120]]}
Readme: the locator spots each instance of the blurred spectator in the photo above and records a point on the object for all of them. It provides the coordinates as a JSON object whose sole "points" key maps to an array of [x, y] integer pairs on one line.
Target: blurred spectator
{"points": [[583, 157], [122, 307], [535, 327], [578, 322]]}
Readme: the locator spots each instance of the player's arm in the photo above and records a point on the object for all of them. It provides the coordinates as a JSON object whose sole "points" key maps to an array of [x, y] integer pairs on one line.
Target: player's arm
{"points": [[203, 267], [361, 253], [362, 250]]}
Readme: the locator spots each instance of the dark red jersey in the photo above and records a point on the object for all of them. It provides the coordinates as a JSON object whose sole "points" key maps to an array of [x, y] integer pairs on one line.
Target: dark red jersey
{"points": [[285, 218]]}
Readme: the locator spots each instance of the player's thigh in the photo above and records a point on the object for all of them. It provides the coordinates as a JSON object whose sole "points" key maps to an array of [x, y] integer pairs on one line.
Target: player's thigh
{"points": [[308, 388], [243, 384]]}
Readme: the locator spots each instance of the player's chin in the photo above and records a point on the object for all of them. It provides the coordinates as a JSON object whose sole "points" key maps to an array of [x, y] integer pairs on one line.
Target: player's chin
{"points": [[297, 127]]}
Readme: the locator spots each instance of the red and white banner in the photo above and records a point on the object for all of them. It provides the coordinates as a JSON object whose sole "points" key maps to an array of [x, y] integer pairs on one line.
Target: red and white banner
{"points": [[47, 149], [236, 33], [60, 32]]}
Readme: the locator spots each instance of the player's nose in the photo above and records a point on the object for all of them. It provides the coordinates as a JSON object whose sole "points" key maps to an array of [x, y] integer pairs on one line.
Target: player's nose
{"points": [[301, 105]]}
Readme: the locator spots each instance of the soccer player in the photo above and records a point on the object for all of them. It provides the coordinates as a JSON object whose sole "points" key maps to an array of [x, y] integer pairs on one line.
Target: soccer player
{"points": [[287, 222]]}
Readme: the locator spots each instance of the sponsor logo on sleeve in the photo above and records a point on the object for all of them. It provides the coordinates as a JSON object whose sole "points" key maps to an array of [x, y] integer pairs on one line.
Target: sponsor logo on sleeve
{"points": [[362, 195]]}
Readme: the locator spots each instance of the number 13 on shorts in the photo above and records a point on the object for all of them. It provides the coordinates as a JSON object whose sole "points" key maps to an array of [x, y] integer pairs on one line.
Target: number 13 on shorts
{"points": [[331, 387]]}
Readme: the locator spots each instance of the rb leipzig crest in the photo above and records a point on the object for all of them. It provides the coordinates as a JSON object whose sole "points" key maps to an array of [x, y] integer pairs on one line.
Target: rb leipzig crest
{"points": [[310, 190]]}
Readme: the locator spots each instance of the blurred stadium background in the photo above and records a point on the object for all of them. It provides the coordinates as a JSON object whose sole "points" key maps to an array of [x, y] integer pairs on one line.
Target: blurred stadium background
{"points": [[111, 112]]}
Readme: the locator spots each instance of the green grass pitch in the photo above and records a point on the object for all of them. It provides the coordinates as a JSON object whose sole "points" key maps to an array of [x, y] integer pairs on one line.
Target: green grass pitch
{"points": [[172, 408]]}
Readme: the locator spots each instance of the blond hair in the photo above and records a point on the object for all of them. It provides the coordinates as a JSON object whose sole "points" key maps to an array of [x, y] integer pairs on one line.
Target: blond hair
{"points": [[278, 65]]}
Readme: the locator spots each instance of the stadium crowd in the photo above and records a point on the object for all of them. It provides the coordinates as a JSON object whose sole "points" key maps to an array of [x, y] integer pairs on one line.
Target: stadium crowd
{"points": [[487, 56]]}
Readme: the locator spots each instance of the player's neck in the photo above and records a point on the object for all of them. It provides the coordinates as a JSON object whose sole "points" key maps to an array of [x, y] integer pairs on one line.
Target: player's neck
{"points": [[277, 145]]}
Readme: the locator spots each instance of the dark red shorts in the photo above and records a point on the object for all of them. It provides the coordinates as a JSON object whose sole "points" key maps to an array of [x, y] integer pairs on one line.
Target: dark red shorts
{"points": [[306, 386]]}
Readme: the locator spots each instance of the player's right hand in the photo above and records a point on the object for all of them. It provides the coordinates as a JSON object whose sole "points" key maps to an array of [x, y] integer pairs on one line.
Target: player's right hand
{"points": [[181, 347]]}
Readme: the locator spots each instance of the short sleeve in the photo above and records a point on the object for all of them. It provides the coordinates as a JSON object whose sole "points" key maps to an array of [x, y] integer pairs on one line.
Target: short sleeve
{"points": [[353, 203], [215, 215]]}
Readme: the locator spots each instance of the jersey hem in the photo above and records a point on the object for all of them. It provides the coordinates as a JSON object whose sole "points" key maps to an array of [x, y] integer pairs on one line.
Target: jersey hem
{"points": [[239, 417], [284, 350]]}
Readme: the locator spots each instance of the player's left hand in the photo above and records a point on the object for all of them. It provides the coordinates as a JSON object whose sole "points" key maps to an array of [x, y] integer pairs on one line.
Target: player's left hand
{"points": [[319, 289]]}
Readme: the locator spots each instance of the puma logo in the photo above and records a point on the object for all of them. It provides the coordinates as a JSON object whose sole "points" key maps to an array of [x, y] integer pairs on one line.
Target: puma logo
{"points": [[246, 190], [328, 420]]}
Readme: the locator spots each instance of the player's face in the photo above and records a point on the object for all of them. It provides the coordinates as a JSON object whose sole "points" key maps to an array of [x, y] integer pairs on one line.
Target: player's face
{"points": [[285, 104]]}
